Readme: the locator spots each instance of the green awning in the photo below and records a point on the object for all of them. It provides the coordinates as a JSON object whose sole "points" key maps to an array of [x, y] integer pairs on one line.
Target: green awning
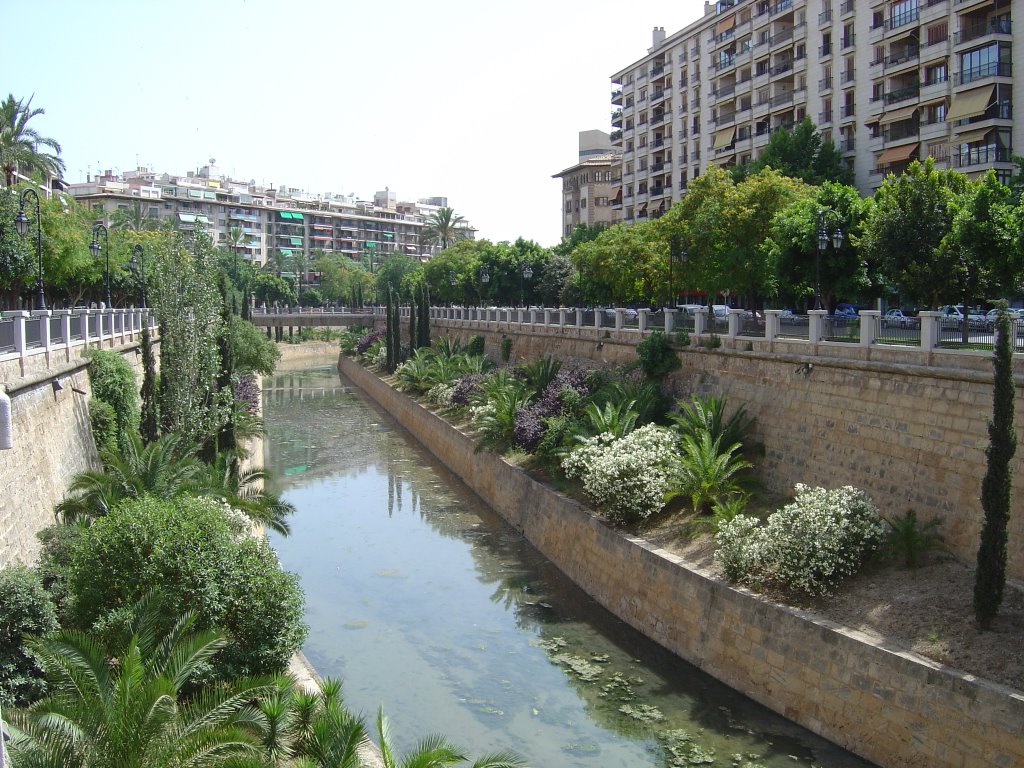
{"points": [[298, 216], [284, 215], [389, 234], [284, 251], [296, 240]]}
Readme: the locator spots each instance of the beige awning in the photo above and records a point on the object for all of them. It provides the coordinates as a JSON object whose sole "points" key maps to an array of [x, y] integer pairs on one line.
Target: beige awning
{"points": [[873, 120], [970, 137], [898, 114], [724, 137], [971, 103], [896, 154], [725, 25]]}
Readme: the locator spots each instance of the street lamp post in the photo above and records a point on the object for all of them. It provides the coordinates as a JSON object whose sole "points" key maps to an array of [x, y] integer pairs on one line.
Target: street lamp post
{"points": [[485, 278], [828, 219], [21, 222], [138, 266], [94, 246], [527, 274]]}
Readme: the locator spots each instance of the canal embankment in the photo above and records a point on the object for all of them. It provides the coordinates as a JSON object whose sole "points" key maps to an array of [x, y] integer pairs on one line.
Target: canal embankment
{"points": [[889, 706]]}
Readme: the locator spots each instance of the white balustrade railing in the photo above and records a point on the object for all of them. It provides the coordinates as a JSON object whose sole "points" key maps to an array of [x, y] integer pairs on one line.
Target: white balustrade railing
{"points": [[43, 332]]}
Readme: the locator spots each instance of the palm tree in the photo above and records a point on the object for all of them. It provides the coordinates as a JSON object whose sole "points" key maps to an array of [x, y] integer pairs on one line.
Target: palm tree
{"points": [[126, 709], [444, 227], [20, 145], [706, 472], [164, 468], [133, 218], [437, 752], [243, 490]]}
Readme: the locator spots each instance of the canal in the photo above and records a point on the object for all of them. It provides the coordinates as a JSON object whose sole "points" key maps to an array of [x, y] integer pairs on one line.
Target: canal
{"points": [[424, 601]]}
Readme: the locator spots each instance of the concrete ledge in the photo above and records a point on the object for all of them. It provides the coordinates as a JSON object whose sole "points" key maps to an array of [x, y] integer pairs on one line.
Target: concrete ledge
{"points": [[889, 706]]}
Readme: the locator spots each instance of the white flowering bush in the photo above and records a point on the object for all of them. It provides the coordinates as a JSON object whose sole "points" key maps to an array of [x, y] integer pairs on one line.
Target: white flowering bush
{"points": [[441, 394], [625, 477], [809, 545], [377, 356]]}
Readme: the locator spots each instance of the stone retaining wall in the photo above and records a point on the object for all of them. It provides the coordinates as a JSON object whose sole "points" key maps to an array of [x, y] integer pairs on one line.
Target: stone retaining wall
{"points": [[52, 443], [893, 708], [912, 435]]}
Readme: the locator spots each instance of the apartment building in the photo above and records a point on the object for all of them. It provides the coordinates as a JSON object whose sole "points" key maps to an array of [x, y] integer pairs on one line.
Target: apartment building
{"points": [[275, 224], [887, 81], [589, 187]]}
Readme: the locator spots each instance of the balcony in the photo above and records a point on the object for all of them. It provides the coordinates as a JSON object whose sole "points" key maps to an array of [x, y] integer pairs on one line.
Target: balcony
{"points": [[902, 94], [657, 192], [782, 6], [695, 104], [825, 118], [658, 95], [825, 17], [617, 97], [724, 63], [847, 77], [847, 41], [657, 69], [902, 19], [659, 117], [982, 156], [824, 50], [727, 117], [723, 91], [780, 37], [846, 7], [991, 69], [658, 167], [846, 146], [825, 84], [782, 99], [901, 57], [848, 111], [617, 118]]}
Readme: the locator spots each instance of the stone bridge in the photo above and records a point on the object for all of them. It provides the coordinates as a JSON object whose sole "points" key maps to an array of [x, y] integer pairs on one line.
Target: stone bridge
{"points": [[315, 317]]}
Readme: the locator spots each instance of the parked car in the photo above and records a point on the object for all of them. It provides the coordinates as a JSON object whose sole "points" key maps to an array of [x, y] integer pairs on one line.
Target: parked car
{"points": [[789, 317], [953, 316], [990, 317], [845, 310], [895, 318], [628, 313]]}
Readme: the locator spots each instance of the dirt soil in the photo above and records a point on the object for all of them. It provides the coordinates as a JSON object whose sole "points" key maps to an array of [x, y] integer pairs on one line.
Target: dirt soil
{"points": [[927, 611]]}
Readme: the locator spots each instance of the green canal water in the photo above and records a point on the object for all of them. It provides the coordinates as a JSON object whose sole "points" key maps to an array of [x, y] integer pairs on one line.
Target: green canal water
{"points": [[424, 601]]}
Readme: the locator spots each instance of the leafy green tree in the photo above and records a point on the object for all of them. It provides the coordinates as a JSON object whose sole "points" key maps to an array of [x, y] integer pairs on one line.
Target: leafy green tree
{"points": [[451, 274], [251, 351], [443, 228], [624, 264], [582, 233], [394, 271], [113, 381], [22, 147], [127, 708], [187, 299], [233, 581], [801, 154], [903, 233], [25, 609], [272, 289], [793, 242], [990, 576]]}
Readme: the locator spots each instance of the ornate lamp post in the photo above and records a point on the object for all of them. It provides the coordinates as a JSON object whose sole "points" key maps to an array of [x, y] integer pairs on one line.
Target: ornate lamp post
{"points": [[21, 222], [527, 274], [137, 263], [829, 228], [94, 246], [485, 278]]}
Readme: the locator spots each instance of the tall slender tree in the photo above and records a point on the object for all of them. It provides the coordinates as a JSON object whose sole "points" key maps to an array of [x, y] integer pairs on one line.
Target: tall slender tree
{"points": [[990, 577], [150, 419], [444, 227]]}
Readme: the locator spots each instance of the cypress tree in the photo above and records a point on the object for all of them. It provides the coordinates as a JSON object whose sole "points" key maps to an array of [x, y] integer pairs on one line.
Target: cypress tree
{"points": [[990, 577], [396, 327], [424, 326], [413, 310], [149, 423], [389, 338]]}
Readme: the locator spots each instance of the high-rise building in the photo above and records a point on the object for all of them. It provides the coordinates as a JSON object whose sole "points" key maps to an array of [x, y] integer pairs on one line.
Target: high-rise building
{"points": [[589, 186], [274, 224], [888, 81]]}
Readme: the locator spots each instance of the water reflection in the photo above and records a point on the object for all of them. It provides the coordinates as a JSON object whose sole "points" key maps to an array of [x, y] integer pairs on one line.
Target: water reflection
{"points": [[424, 600]]}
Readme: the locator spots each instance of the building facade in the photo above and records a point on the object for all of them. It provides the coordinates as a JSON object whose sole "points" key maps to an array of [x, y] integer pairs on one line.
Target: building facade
{"points": [[888, 81], [274, 225], [589, 187]]}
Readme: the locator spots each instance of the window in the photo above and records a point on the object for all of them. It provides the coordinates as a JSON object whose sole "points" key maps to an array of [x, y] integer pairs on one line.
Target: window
{"points": [[877, 19], [937, 33], [935, 113], [602, 201], [935, 74], [991, 60], [583, 203], [902, 12]]}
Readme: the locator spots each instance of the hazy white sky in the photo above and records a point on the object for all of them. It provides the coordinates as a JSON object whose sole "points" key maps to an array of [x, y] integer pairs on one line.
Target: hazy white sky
{"points": [[476, 100]]}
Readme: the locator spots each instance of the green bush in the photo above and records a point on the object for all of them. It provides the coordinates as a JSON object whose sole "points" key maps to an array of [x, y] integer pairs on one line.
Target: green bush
{"points": [[682, 338], [199, 561], [104, 424], [656, 356], [251, 350], [808, 546], [113, 382], [909, 539], [475, 346], [506, 348], [25, 608]]}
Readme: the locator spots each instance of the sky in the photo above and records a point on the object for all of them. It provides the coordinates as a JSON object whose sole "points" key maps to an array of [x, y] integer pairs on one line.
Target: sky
{"points": [[479, 101]]}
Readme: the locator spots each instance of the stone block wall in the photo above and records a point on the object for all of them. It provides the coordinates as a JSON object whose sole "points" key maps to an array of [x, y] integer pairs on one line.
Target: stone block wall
{"points": [[893, 708], [912, 435], [53, 442]]}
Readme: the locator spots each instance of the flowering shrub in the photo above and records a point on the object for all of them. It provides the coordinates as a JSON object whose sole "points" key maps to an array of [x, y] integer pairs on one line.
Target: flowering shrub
{"points": [[369, 340], [377, 356], [441, 394], [565, 392], [625, 477], [809, 545], [247, 393], [465, 388]]}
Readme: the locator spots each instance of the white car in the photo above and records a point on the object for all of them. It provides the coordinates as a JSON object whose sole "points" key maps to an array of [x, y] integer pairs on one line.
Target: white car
{"points": [[895, 318]]}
